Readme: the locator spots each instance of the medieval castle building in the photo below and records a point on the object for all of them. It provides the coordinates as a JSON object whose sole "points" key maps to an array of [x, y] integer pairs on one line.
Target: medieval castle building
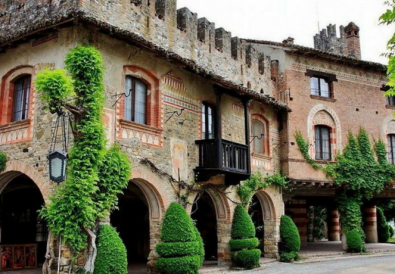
{"points": [[238, 104]]}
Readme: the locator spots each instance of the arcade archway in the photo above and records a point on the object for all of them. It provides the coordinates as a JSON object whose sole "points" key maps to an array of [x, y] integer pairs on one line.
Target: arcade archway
{"points": [[23, 233]]}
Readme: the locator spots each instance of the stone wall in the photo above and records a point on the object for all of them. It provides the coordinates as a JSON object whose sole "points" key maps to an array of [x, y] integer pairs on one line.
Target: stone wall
{"points": [[158, 23], [175, 147]]}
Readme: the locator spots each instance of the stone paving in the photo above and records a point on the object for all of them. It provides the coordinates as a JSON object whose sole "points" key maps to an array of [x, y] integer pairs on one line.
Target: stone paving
{"points": [[314, 251], [326, 248]]}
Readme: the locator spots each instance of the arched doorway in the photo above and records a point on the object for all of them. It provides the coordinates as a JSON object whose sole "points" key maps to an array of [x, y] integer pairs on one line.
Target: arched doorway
{"points": [[132, 221], [256, 213], [204, 214], [23, 233]]}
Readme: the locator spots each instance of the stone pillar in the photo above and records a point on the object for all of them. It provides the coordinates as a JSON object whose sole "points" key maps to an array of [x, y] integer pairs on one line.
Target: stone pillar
{"points": [[334, 225], [271, 238], [370, 221], [298, 210]]}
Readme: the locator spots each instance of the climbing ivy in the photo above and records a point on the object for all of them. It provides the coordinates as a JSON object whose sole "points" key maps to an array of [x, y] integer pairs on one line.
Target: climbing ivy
{"points": [[303, 147], [360, 172], [256, 182], [94, 176], [3, 161]]}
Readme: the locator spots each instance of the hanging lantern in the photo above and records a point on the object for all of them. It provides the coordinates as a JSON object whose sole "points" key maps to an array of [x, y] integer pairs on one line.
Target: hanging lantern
{"points": [[57, 165]]}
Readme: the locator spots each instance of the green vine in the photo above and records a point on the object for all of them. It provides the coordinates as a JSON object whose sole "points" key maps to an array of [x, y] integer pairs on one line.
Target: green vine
{"points": [[361, 172], [3, 161], [256, 182], [95, 176], [303, 147]]}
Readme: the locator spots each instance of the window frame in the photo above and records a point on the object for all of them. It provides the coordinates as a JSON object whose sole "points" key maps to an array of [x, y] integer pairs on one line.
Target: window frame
{"points": [[319, 156], [132, 95], [327, 77], [391, 149], [204, 124], [25, 104]]}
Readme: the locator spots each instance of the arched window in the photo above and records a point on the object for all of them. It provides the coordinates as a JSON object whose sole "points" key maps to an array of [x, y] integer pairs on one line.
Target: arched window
{"points": [[391, 148], [258, 133], [322, 142], [16, 105], [21, 96], [135, 100]]}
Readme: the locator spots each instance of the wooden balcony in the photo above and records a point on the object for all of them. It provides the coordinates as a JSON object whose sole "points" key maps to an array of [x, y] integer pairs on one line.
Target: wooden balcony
{"points": [[219, 156]]}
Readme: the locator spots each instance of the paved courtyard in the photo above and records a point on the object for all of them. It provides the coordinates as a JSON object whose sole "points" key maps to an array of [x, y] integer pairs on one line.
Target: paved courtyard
{"points": [[321, 261]]}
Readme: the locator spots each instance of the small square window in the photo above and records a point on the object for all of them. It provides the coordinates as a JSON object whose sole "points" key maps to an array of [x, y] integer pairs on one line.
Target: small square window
{"points": [[319, 87]]}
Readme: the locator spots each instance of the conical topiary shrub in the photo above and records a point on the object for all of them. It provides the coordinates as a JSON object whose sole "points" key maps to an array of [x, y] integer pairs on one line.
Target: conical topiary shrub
{"points": [[382, 227], [111, 252], [180, 249], [243, 243], [290, 239], [201, 246]]}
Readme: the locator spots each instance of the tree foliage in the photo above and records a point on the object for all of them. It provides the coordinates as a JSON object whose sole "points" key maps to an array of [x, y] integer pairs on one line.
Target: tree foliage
{"points": [[361, 171], [94, 176], [3, 161], [256, 182], [55, 88], [388, 18]]}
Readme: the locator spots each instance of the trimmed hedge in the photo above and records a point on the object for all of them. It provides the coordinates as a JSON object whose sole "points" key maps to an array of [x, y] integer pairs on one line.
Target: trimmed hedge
{"points": [[242, 226], [239, 244], [290, 238], [391, 231], [180, 265], [243, 243], [382, 227], [289, 234], [177, 249], [247, 258], [200, 246], [181, 249], [354, 241], [111, 252]]}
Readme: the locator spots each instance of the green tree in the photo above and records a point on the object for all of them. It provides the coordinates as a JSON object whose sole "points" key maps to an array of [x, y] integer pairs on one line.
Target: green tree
{"points": [[388, 18], [94, 175]]}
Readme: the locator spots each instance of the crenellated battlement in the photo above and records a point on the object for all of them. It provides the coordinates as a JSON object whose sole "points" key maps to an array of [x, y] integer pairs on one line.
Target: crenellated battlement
{"points": [[159, 22]]}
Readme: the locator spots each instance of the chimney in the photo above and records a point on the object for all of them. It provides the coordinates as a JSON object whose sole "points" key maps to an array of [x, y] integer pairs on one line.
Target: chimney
{"points": [[352, 40]]}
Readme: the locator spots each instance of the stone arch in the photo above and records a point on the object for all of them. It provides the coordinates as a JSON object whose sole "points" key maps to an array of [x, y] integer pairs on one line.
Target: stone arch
{"points": [[155, 182], [272, 207], [387, 127], [223, 213], [14, 168], [269, 212], [323, 115], [154, 200]]}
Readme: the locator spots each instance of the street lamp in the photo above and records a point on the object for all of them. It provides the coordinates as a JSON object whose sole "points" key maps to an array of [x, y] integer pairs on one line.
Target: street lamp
{"points": [[57, 165]]}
